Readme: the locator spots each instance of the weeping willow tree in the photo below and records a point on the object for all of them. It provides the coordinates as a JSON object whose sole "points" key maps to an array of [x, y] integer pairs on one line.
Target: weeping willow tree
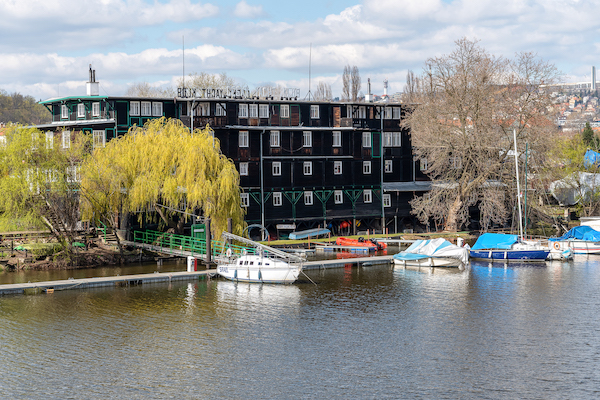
{"points": [[164, 164], [39, 180]]}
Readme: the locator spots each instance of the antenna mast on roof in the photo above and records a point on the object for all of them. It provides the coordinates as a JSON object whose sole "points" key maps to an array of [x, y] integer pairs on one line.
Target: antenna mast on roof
{"points": [[309, 67], [183, 62]]}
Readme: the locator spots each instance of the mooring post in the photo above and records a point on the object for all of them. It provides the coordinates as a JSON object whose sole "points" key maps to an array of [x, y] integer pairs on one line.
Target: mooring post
{"points": [[208, 242]]}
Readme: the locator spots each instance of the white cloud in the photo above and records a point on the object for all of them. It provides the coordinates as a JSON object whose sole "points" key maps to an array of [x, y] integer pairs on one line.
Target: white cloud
{"points": [[245, 10]]}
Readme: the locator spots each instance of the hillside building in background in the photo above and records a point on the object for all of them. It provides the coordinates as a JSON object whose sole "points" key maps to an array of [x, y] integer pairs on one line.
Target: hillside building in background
{"points": [[303, 164]]}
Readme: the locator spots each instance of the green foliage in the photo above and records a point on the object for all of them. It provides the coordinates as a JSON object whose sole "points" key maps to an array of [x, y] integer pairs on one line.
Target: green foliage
{"points": [[163, 163], [21, 109], [588, 137]]}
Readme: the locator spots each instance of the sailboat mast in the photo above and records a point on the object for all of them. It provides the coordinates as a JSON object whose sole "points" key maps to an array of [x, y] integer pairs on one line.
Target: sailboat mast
{"points": [[518, 186]]}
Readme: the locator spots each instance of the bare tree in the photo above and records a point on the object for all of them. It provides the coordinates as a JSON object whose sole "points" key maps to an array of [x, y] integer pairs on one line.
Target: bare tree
{"points": [[144, 89], [323, 92], [355, 83], [346, 83], [469, 104], [411, 88]]}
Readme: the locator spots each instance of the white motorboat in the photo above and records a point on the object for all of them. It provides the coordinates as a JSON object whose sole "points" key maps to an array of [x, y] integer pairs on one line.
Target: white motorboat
{"points": [[433, 253], [257, 268]]}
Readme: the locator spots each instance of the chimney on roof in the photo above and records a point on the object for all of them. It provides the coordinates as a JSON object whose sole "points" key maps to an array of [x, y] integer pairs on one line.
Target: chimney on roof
{"points": [[92, 87]]}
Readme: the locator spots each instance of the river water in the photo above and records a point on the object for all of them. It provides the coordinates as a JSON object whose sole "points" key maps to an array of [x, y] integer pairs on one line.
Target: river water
{"points": [[521, 331]]}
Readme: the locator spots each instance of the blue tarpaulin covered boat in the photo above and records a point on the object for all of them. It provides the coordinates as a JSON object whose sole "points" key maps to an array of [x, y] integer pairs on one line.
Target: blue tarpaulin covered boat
{"points": [[580, 239], [499, 246]]}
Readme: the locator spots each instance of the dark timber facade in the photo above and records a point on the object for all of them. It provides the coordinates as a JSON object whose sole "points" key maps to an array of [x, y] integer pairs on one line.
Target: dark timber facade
{"points": [[302, 164]]}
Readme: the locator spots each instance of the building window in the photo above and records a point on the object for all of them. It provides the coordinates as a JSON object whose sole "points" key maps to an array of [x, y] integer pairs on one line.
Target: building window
{"points": [[349, 112], [95, 109], [423, 164], [337, 167], [387, 200], [73, 174], [455, 163], [253, 110], [80, 110], [307, 139], [49, 140], [99, 138], [244, 169], [389, 166], [362, 112], [387, 139], [308, 198], [146, 108], [66, 139], [396, 139], [338, 197], [366, 139], [277, 199], [64, 112], [243, 139], [204, 109], [396, 113], [387, 114], [276, 168], [314, 111], [243, 111], [263, 111], [157, 109], [285, 110], [275, 136], [367, 196], [337, 139], [367, 167], [134, 108], [220, 110], [307, 168], [245, 199]]}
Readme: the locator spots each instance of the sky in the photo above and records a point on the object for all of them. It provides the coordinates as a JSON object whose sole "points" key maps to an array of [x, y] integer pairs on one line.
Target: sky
{"points": [[46, 46]]}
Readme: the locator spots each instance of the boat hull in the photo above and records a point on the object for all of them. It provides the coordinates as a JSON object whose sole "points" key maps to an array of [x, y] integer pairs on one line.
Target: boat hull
{"points": [[510, 255], [259, 270], [577, 246], [447, 262]]}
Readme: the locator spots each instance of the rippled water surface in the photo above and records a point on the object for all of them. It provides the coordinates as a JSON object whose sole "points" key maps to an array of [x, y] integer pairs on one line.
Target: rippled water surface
{"points": [[490, 332]]}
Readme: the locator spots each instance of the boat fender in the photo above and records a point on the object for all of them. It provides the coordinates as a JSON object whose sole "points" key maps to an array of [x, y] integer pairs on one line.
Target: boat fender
{"points": [[556, 245], [228, 252]]}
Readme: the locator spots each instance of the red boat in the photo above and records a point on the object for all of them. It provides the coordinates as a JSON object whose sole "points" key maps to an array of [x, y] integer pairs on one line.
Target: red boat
{"points": [[360, 242]]}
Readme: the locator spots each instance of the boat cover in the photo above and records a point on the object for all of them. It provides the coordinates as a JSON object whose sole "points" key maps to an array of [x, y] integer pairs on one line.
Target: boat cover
{"points": [[591, 158], [433, 248], [310, 232], [579, 232], [495, 241]]}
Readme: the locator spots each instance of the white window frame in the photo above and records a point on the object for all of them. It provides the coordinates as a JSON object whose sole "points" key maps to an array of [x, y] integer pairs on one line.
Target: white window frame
{"points": [[349, 112], [243, 139], [66, 139], [263, 111], [157, 109], [95, 109], [308, 198], [396, 139], [145, 108], [387, 113], [367, 196], [455, 162], [387, 139], [387, 200], [337, 139], [73, 174], [396, 113], [245, 200], [337, 167], [389, 166], [366, 140], [314, 111], [64, 112], [307, 167], [253, 111], [49, 140], [204, 109], [243, 111], [338, 197], [81, 110], [134, 108], [276, 168], [307, 139], [277, 199], [243, 169], [362, 112], [220, 110], [275, 139], [366, 167], [284, 111], [99, 138], [423, 164]]}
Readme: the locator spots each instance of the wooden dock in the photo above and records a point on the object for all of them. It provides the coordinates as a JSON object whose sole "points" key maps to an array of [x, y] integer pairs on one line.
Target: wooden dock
{"points": [[342, 262], [87, 283]]}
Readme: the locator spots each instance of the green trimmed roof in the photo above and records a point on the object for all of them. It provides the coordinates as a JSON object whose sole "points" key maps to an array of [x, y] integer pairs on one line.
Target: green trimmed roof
{"points": [[61, 99]]}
